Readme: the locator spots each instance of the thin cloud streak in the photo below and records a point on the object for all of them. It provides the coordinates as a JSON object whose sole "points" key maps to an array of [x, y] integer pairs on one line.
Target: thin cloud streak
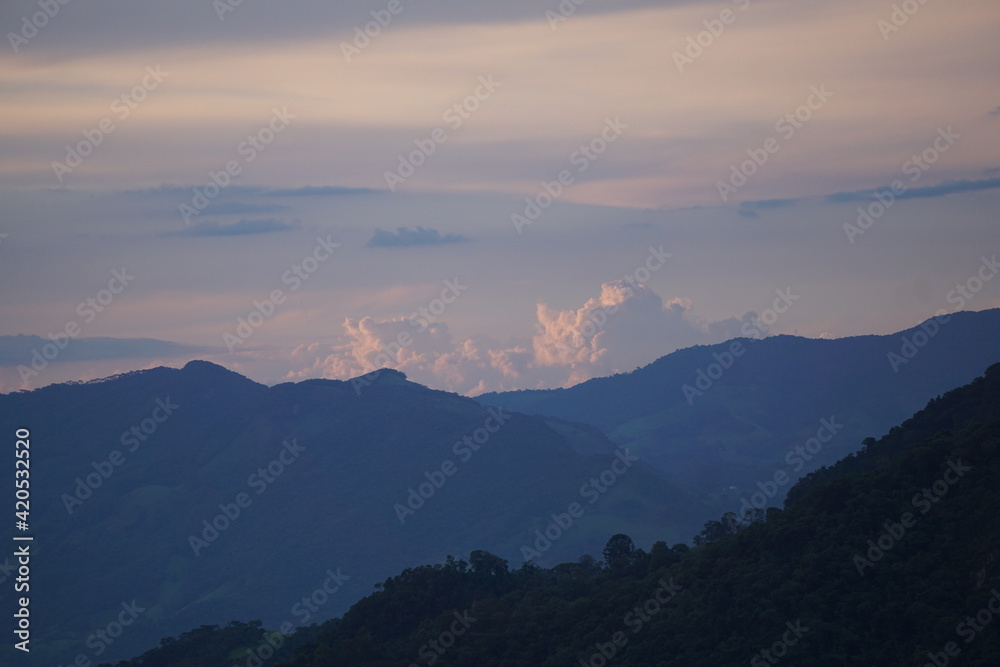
{"points": [[404, 237]]}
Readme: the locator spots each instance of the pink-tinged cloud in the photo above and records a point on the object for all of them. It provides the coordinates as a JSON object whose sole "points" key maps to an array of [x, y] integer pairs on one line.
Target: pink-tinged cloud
{"points": [[626, 326]]}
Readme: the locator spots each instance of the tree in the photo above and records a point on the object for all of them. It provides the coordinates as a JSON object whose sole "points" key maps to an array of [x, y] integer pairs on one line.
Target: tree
{"points": [[661, 555], [484, 563], [729, 525], [618, 550], [752, 515], [712, 531]]}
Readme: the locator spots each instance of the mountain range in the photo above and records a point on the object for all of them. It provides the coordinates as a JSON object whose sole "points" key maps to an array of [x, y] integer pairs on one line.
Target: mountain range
{"points": [[199, 496], [889, 558], [721, 420]]}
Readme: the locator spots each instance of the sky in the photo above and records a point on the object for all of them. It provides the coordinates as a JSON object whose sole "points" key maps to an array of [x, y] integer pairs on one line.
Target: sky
{"points": [[487, 196]]}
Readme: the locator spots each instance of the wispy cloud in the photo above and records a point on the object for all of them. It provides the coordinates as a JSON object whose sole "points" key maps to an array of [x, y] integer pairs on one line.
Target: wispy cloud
{"points": [[242, 208], [257, 191], [940, 190], [242, 228], [404, 237], [749, 209], [16, 350], [951, 188], [318, 191]]}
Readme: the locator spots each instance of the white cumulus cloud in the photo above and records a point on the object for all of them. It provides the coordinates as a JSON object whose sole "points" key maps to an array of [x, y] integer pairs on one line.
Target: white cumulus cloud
{"points": [[624, 327]]}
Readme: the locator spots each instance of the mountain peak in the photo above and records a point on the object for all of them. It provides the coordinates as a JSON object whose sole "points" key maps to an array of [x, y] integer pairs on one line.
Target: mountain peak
{"points": [[391, 374], [207, 371]]}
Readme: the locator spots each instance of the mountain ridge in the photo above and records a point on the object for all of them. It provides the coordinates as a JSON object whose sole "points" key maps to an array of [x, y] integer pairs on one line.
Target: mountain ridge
{"points": [[201, 495], [737, 426], [859, 568]]}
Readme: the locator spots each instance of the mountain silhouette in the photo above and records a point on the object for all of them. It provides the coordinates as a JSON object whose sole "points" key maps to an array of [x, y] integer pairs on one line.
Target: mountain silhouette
{"points": [[720, 425], [200, 496]]}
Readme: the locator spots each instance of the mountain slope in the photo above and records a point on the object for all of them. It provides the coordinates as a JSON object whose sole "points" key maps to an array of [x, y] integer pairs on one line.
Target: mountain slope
{"points": [[203, 496], [889, 558], [720, 424]]}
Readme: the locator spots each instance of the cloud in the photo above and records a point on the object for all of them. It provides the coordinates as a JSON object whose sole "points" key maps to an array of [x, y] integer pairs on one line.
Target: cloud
{"points": [[749, 209], [404, 237], [257, 191], [626, 326], [940, 190], [995, 112], [116, 25], [19, 350], [242, 208], [951, 188], [319, 191], [431, 356], [244, 227]]}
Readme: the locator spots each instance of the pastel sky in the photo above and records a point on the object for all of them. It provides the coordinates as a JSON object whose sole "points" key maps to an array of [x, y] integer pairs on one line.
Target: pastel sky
{"points": [[485, 195]]}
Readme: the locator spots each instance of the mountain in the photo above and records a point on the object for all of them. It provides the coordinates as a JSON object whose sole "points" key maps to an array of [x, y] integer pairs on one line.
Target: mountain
{"points": [[721, 421], [178, 498], [891, 557], [174, 498]]}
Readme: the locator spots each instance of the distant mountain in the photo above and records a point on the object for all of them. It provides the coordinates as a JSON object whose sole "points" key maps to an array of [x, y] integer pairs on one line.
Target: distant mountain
{"points": [[722, 420], [889, 558], [174, 498]]}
